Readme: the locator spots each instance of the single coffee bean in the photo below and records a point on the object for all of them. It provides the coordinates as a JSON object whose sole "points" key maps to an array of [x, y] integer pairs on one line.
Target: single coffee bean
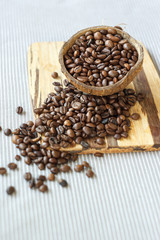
{"points": [[7, 132], [89, 173], [38, 183], [43, 188], [12, 165], [54, 74], [27, 161], [63, 182], [100, 141], [65, 168], [3, 171], [0, 128], [54, 170], [17, 157], [27, 176], [135, 116], [10, 190], [42, 178], [32, 183], [78, 168], [85, 144], [19, 110], [85, 164], [56, 83], [51, 177]]}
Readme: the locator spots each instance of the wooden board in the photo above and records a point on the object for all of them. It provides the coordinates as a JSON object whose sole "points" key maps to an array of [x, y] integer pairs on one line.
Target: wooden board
{"points": [[144, 134]]}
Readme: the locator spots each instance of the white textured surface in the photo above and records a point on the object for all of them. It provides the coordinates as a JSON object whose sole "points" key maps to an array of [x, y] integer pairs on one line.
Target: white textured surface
{"points": [[123, 201]]}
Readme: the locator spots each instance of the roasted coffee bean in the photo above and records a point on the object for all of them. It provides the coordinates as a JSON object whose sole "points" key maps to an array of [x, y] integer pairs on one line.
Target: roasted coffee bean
{"points": [[43, 188], [41, 166], [65, 168], [7, 132], [12, 166], [32, 183], [42, 178], [100, 141], [85, 144], [27, 161], [19, 110], [78, 168], [85, 164], [117, 136], [27, 176], [63, 182], [51, 177], [89, 173], [10, 190], [135, 116], [3, 171], [0, 128], [55, 170], [54, 74], [17, 157], [38, 183]]}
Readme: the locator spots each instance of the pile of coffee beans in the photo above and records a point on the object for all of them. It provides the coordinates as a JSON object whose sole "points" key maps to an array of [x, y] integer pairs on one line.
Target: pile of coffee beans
{"points": [[66, 118], [100, 58]]}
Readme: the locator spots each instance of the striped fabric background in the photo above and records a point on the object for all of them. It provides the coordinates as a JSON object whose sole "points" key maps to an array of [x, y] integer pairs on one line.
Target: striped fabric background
{"points": [[123, 200]]}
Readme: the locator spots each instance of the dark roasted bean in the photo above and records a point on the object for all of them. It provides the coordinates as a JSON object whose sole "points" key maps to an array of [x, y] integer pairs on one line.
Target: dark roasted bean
{"points": [[3, 171], [19, 110], [54, 75], [7, 132], [17, 157], [89, 173], [43, 188], [27, 176], [10, 190], [78, 168], [135, 116], [63, 182], [12, 166]]}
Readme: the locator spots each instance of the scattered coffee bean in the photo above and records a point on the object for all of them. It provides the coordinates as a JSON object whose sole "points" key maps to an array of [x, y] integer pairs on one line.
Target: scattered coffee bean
{"points": [[3, 171], [98, 154], [0, 128], [12, 165], [51, 177], [63, 182], [135, 116], [10, 190], [19, 110], [90, 173], [55, 170], [32, 183], [27, 176], [65, 168], [38, 183], [42, 178], [78, 168], [85, 164], [43, 188], [55, 75], [7, 132], [18, 158]]}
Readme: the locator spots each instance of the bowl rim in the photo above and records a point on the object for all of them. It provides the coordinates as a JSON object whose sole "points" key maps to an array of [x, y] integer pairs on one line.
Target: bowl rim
{"points": [[117, 85]]}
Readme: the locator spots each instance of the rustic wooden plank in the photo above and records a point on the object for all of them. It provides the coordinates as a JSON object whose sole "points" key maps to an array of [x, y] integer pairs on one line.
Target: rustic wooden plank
{"points": [[144, 134]]}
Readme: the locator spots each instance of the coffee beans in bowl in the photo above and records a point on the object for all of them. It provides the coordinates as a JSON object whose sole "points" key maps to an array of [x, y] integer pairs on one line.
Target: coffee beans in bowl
{"points": [[101, 60]]}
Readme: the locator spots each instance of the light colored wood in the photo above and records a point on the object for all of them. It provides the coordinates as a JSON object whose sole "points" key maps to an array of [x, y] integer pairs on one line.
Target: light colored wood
{"points": [[144, 134], [107, 90]]}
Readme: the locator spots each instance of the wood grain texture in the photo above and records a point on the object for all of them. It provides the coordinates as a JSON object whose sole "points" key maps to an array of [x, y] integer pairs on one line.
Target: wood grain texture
{"points": [[144, 134]]}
